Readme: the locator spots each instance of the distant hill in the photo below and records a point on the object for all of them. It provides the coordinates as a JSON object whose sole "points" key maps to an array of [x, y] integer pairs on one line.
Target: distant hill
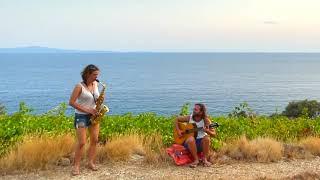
{"points": [[38, 49]]}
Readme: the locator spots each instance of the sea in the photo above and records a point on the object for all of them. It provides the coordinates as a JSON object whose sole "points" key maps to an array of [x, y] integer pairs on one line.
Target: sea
{"points": [[162, 82]]}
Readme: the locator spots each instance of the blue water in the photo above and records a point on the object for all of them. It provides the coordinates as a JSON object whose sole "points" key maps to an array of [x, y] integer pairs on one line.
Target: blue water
{"points": [[162, 82]]}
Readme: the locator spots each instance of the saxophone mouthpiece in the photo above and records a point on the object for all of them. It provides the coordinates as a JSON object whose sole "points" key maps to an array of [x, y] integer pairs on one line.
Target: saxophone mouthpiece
{"points": [[100, 83]]}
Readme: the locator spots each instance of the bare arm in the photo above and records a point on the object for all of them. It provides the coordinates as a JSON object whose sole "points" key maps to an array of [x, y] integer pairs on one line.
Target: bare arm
{"points": [[73, 101], [210, 131]]}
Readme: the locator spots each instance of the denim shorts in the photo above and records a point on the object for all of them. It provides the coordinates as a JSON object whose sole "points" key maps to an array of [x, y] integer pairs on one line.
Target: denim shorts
{"points": [[81, 120], [198, 144]]}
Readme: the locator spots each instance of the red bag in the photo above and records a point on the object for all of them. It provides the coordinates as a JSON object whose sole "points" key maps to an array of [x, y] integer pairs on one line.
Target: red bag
{"points": [[181, 155]]}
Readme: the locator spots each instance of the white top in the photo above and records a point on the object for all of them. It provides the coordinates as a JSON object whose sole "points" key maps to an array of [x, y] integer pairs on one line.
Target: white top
{"points": [[86, 98], [201, 133]]}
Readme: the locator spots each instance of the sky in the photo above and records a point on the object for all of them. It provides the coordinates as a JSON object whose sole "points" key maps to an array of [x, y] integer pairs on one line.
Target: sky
{"points": [[163, 25]]}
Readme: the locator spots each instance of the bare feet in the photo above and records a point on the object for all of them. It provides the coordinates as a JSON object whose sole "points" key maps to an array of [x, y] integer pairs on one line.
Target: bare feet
{"points": [[206, 163], [194, 164], [92, 167], [75, 171]]}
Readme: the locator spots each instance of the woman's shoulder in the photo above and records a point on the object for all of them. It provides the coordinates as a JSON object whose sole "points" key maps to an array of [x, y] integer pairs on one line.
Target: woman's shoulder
{"points": [[78, 85]]}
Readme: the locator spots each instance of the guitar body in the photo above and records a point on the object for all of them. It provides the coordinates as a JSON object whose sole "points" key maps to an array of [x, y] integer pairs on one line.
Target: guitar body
{"points": [[186, 128]]}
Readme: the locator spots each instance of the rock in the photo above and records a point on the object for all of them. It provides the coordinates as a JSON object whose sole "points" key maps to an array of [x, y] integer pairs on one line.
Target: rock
{"points": [[136, 157], [224, 158], [238, 155], [63, 162], [296, 152]]}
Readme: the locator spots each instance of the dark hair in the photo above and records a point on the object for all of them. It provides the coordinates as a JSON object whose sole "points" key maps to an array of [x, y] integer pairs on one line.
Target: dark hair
{"points": [[203, 109], [88, 70]]}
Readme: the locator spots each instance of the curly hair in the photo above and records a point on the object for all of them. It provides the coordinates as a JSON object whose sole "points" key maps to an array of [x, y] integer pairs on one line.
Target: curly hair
{"points": [[203, 109], [87, 71]]}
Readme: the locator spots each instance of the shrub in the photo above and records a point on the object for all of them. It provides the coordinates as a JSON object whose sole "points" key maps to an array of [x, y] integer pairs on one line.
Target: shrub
{"points": [[185, 109], [243, 110], [305, 108]]}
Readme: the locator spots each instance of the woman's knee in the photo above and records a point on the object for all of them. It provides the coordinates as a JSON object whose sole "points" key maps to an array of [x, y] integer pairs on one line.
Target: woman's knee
{"points": [[191, 139], [94, 141], [81, 144]]}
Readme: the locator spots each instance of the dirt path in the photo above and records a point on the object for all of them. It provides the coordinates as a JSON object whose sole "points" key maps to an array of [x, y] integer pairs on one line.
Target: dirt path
{"points": [[294, 169]]}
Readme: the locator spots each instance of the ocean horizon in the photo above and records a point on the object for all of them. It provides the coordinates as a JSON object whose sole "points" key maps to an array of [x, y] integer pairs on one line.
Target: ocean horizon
{"points": [[162, 82]]}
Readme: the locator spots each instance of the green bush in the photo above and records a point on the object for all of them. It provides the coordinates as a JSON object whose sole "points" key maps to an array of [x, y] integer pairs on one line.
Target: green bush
{"points": [[243, 110], [185, 109], [305, 108], [14, 127]]}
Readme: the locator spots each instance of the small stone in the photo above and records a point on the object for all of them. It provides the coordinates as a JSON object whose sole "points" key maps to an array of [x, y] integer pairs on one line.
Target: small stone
{"points": [[136, 157], [63, 162], [224, 158]]}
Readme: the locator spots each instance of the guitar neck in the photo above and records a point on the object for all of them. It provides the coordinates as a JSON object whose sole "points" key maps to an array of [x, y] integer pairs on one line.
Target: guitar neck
{"points": [[200, 128], [195, 129]]}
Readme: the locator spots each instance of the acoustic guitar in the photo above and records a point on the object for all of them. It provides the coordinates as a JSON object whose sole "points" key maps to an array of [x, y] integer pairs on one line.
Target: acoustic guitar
{"points": [[188, 129]]}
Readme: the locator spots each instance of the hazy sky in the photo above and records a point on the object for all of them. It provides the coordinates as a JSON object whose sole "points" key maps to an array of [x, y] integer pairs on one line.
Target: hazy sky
{"points": [[162, 25]]}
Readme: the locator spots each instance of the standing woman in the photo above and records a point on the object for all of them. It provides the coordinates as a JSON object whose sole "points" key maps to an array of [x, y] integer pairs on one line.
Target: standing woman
{"points": [[83, 100]]}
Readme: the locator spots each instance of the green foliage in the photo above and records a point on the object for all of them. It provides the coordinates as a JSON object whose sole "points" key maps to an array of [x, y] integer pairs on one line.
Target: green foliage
{"points": [[243, 110], [305, 108], [17, 125], [60, 110], [185, 109], [24, 109]]}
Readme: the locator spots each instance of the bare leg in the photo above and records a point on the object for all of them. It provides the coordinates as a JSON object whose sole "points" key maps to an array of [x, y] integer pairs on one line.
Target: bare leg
{"points": [[81, 141], [191, 142], [94, 133], [205, 146]]}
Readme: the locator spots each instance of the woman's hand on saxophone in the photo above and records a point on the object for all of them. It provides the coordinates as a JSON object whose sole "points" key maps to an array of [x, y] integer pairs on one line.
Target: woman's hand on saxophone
{"points": [[93, 111]]}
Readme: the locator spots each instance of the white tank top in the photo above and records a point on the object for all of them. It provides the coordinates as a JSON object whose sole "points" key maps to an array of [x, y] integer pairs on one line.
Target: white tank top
{"points": [[86, 98], [201, 133]]}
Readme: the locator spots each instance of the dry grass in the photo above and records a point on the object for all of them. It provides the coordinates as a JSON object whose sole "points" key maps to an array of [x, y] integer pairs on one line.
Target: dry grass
{"points": [[155, 150], [260, 149], [312, 145], [269, 150], [122, 148], [37, 152], [296, 151]]}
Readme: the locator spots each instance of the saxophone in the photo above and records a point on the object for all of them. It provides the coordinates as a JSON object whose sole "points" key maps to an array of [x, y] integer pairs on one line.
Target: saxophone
{"points": [[100, 107]]}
